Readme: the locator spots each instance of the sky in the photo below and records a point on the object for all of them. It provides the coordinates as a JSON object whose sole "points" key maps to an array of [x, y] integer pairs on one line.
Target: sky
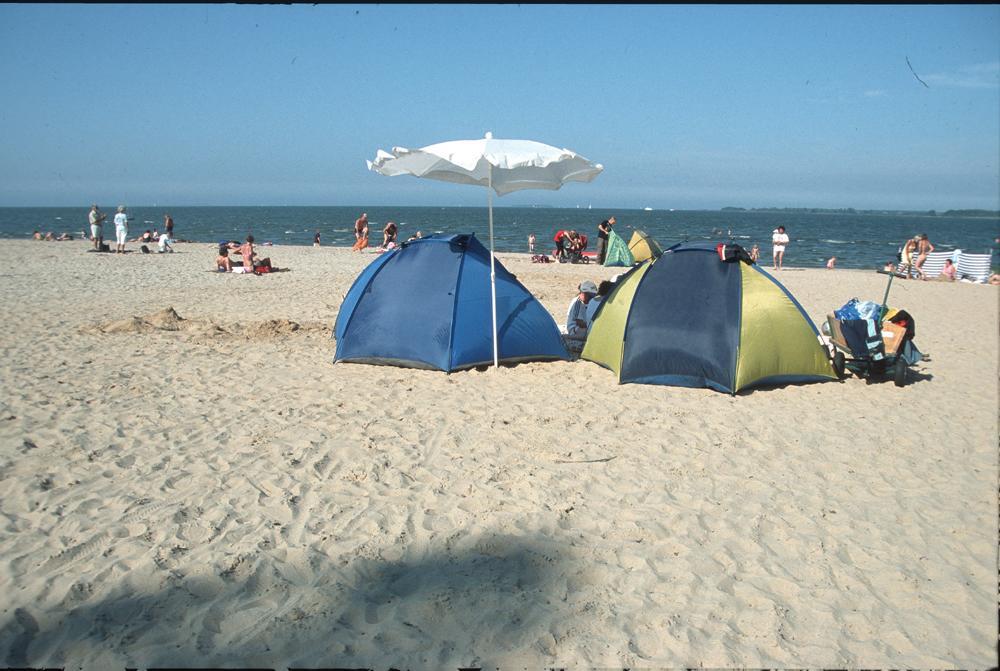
{"points": [[687, 107]]}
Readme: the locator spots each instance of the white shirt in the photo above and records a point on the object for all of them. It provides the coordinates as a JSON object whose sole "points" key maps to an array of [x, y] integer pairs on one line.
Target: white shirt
{"points": [[121, 220], [164, 241], [779, 239]]}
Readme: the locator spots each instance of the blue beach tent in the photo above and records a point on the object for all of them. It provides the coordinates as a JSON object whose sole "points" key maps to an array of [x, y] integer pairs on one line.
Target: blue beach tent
{"points": [[426, 304]]}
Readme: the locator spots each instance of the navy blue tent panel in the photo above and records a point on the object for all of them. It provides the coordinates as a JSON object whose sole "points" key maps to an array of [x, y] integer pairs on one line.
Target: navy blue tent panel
{"points": [[427, 304], [677, 334]]}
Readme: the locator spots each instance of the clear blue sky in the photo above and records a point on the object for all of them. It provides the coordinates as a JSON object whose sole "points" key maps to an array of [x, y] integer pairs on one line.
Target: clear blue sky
{"points": [[687, 107]]}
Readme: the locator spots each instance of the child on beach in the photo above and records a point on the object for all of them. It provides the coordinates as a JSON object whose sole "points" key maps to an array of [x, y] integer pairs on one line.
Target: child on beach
{"points": [[831, 264], [754, 253], [531, 243]]}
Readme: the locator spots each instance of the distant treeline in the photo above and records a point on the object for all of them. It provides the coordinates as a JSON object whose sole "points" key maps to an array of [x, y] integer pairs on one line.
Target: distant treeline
{"points": [[850, 210]]}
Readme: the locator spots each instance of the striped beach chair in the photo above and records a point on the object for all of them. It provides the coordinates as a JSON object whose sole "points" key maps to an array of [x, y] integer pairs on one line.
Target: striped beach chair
{"points": [[975, 267], [934, 263]]}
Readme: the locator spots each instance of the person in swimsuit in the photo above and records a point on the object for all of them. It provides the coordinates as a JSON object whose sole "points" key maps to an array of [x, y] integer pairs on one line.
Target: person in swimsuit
{"points": [[222, 262], [246, 251], [924, 247], [361, 232], [389, 234]]}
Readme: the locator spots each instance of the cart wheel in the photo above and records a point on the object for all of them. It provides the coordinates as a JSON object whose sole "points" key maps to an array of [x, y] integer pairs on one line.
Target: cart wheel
{"points": [[899, 376], [839, 362]]}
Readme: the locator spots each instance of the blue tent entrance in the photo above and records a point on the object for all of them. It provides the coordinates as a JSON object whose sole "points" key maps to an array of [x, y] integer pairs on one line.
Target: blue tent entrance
{"points": [[426, 304]]}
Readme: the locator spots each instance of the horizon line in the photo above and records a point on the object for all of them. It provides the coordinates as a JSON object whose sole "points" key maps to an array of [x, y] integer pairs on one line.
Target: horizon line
{"points": [[550, 207]]}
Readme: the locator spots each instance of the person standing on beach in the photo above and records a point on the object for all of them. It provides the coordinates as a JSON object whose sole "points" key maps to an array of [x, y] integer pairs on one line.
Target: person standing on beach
{"points": [[168, 224], [780, 240], [531, 243], [603, 229], [906, 257], [121, 230], [316, 239], [97, 226], [924, 247]]}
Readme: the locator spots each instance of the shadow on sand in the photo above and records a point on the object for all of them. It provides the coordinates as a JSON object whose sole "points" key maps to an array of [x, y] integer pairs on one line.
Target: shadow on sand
{"points": [[485, 606]]}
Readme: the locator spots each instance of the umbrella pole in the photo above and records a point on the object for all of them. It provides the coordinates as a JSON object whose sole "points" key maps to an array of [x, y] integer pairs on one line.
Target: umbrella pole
{"points": [[493, 276]]}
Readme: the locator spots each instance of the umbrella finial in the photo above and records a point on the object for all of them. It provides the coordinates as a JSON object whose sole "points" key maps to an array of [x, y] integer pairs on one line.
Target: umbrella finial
{"points": [[489, 135]]}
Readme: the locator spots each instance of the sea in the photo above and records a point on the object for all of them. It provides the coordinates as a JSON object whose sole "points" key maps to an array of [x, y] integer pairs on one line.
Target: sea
{"points": [[857, 240]]}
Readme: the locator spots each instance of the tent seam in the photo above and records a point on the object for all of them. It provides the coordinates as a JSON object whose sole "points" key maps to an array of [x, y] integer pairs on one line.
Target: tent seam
{"points": [[358, 302]]}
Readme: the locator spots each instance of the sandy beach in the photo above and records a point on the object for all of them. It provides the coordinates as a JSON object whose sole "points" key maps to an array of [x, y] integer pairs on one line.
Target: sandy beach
{"points": [[188, 480]]}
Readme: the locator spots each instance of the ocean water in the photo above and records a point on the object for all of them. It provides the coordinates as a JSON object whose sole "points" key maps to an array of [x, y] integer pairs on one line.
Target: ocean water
{"points": [[857, 240]]}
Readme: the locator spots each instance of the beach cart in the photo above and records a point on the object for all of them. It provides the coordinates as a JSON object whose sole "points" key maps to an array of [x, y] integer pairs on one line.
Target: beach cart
{"points": [[877, 347]]}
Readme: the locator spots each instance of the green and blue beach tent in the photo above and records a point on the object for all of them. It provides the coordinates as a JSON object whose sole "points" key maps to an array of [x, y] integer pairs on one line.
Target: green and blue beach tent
{"points": [[617, 253], [427, 304], [691, 319]]}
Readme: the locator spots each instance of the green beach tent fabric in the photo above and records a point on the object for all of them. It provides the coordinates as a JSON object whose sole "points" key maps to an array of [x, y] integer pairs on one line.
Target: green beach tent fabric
{"points": [[691, 319], [617, 253], [643, 247]]}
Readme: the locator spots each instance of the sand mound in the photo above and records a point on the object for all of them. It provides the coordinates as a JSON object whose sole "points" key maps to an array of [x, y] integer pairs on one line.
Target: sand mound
{"points": [[270, 328], [166, 319]]}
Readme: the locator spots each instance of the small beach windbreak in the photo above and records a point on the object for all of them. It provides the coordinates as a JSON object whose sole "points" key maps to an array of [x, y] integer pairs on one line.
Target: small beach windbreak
{"points": [[690, 319]]}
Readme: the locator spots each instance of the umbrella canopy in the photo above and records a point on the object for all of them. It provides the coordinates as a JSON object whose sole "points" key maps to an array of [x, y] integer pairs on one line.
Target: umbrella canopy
{"points": [[503, 166]]}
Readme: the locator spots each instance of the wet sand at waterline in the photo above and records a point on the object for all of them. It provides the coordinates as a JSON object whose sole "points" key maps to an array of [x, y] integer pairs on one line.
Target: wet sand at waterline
{"points": [[188, 480]]}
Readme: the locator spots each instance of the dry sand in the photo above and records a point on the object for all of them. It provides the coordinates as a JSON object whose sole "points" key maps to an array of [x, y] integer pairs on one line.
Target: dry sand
{"points": [[188, 480]]}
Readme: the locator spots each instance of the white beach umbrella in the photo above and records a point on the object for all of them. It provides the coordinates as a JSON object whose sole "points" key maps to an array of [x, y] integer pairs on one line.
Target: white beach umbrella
{"points": [[503, 166]]}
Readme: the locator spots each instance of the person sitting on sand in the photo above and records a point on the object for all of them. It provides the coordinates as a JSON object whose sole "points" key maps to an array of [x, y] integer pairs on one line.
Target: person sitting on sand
{"points": [[948, 272], [50, 236], [222, 262], [37, 236], [415, 236], [577, 324], [146, 237], [603, 289], [64, 236], [164, 245]]}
